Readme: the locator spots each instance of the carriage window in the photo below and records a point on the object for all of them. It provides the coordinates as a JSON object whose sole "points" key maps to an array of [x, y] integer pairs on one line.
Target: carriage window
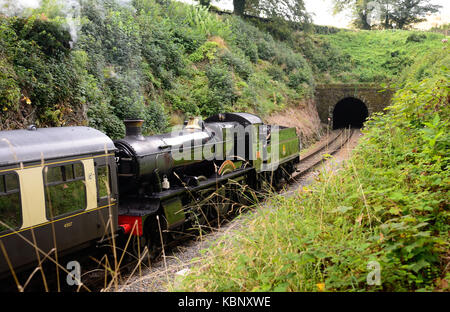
{"points": [[10, 203], [78, 168], [103, 181], [54, 174], [65, 190], [69, 172]]}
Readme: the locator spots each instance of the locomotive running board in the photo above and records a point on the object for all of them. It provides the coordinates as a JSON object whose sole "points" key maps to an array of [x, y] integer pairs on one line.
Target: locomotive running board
{"points": [[176, 191]]}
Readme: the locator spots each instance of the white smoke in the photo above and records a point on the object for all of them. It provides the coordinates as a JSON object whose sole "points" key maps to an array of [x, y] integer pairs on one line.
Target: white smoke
{"points": [[69, 9], [17, 7]]}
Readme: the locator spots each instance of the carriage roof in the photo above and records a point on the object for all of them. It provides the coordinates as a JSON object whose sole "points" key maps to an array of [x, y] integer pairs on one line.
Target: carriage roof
{"points": [[242, 118], [21, 146]]}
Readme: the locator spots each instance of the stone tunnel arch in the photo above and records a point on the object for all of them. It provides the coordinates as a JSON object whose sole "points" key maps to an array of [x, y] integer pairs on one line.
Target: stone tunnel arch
{"points": [[350, 112]]}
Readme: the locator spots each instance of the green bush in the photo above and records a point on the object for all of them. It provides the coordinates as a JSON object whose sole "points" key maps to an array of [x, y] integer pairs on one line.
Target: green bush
{"points": [[155, 118], [276, 72], [204, 22], [9, 88], [143, 60], [266, 48], [102, 118], [222, 93], [206, 51], [37, 64], [300, 78], [416, 37], [240, 65]]}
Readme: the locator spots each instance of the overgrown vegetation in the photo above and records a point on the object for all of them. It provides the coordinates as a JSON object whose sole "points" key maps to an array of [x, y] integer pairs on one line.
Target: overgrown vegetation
{"points": [[148, 60], [380, 56], [163, 61], [344, 56], [389, 204]]}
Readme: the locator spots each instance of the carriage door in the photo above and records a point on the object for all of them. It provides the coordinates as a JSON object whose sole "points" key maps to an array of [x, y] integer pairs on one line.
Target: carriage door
{"points": [[106, 194], [66, 202]]}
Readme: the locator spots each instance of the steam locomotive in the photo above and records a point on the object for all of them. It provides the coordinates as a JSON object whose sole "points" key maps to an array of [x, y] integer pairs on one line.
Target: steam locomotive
{"points": [[60, 187]]}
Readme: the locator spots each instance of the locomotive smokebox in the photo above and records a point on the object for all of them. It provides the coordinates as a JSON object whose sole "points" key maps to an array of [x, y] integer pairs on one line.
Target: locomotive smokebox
{"points": [[133, 129]]}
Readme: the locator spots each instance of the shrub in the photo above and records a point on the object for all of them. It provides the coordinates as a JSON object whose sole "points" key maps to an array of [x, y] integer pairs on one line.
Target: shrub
{"points": [[156, 120], [266, 48], [205, 51], [239, 64], [416, 37], [102, 118], [221, 86], [300, 76], [276, 73], [206, 23], [9, 88]]}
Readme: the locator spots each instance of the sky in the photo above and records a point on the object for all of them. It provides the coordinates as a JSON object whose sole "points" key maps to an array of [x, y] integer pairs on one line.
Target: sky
{"points": [[321, 11]]}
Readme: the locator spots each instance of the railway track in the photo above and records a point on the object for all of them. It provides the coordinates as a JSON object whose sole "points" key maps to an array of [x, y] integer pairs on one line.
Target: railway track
{"points": [[94, 276], [312, 158]]}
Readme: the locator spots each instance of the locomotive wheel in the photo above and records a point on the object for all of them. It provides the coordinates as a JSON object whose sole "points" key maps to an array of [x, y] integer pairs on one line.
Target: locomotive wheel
{"points": [[199, 218], [156, 230], [138, 247]]}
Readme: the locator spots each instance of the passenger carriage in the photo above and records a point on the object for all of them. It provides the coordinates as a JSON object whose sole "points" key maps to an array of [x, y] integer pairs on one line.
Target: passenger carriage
{"points": [[54, 192]]}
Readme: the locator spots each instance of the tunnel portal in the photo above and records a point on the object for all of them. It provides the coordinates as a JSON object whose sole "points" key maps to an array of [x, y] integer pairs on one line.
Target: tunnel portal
{"points": [[349, 112]]}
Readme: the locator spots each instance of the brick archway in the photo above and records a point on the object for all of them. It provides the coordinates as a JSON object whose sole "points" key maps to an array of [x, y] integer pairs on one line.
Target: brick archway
{"points": [[373, 96]]}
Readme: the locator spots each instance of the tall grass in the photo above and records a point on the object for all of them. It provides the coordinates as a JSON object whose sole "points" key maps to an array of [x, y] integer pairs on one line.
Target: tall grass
{"points": [[389, 203]]}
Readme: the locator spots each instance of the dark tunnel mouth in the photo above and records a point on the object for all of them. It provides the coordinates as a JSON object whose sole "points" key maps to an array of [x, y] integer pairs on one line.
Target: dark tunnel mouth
{"points": [[349, 112]]}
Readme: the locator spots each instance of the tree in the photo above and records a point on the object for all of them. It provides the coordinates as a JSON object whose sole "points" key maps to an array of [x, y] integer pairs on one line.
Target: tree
{"points": [[412, 11], [293, 10], [239, 7], [205, 3], [386, 14], [363, 12]]}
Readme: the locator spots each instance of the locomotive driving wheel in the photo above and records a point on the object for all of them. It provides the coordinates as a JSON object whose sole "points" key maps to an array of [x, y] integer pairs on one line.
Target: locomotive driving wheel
{"points": [[140, 249]]}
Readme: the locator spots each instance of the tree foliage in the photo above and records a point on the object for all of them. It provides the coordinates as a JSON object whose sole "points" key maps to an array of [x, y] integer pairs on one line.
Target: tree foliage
{"points": [[386, 14], [285, 9]]}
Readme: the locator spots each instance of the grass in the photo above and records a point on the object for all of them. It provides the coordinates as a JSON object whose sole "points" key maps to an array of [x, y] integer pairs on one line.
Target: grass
{"points": [[381, 55], [389, 203], [284, 246]]}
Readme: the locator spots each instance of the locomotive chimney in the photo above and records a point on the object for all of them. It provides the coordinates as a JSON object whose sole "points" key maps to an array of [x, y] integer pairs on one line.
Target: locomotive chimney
{"points": [[134, 128]]}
